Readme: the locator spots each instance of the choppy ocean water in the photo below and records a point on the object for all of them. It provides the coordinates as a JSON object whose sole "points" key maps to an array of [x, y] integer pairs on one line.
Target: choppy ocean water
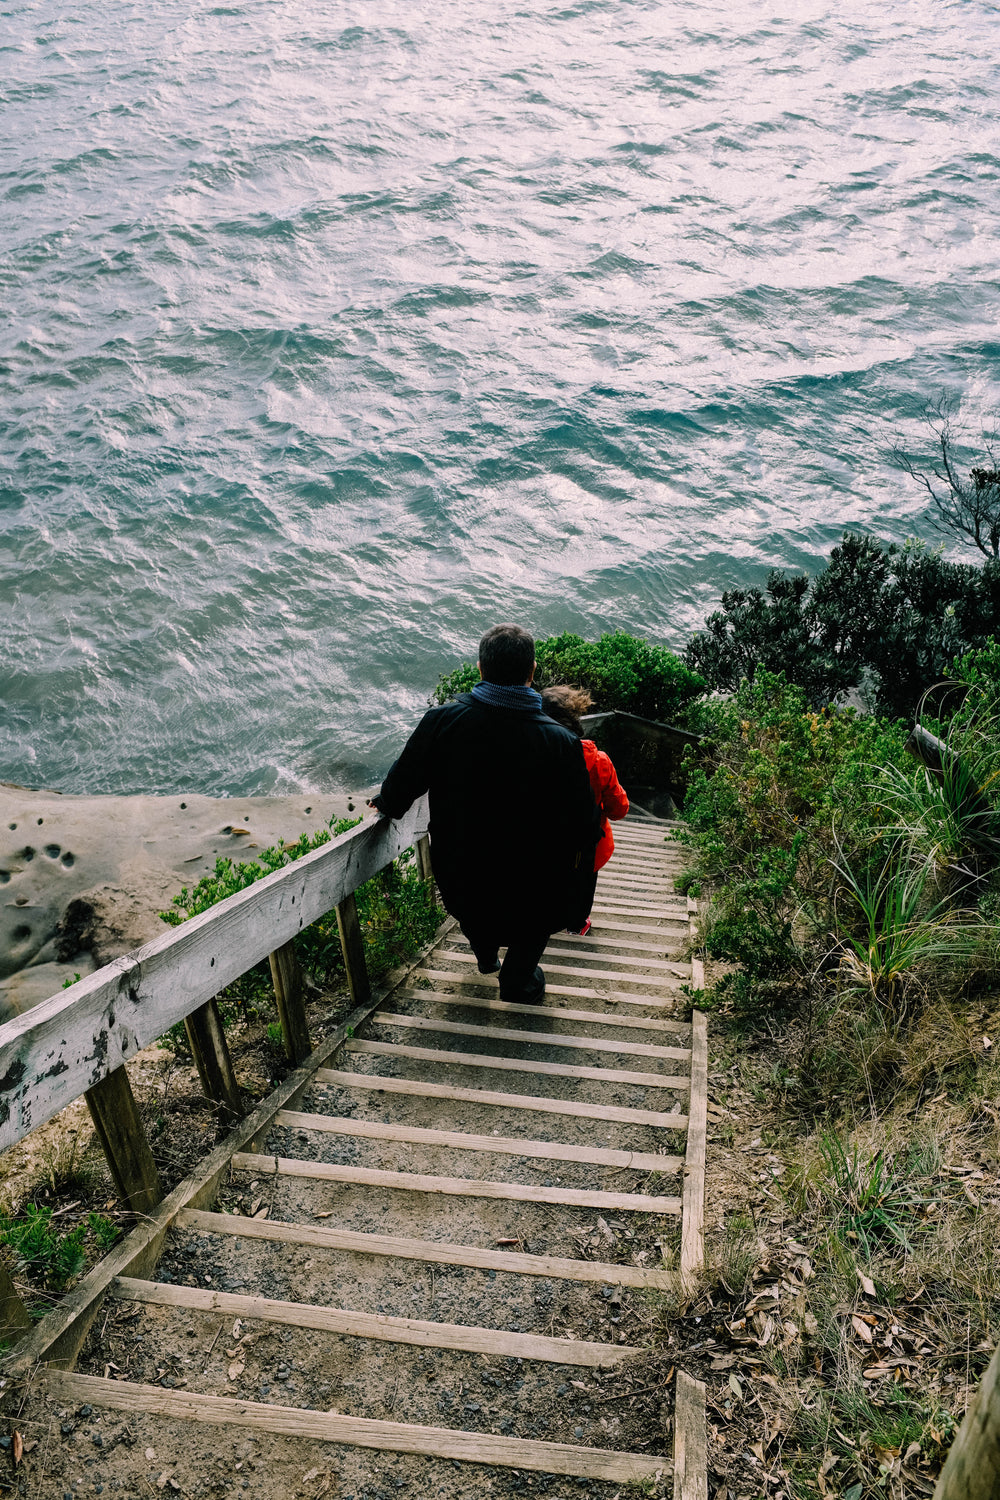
{"points": [[330, 335]]}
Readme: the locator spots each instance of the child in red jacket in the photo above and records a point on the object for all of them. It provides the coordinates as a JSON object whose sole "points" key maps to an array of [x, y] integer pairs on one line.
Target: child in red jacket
{"points": [[565, 705]]}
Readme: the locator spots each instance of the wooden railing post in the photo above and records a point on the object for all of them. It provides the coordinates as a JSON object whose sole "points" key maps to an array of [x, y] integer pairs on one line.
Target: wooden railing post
{"points": [[353, 947], [119, 1130], [972, 1468], [15, 1318], [288, 992], [424, 857], [210, 1050]]}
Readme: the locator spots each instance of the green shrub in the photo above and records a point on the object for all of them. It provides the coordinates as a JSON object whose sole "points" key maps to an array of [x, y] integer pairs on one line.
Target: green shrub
{"points": [[48, 1257], [779, 788], [622, 672]]}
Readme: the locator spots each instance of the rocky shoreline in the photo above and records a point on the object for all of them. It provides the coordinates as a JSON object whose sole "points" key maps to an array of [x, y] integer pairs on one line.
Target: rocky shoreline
{"points": [[83, 879]]}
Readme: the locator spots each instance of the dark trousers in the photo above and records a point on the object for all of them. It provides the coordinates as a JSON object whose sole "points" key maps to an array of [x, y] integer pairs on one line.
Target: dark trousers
{"points": [[584, 891], [517, 974]]}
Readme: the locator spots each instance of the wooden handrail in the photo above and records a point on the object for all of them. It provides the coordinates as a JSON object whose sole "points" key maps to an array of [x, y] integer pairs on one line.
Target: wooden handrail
{"points": [[71, 1043]]}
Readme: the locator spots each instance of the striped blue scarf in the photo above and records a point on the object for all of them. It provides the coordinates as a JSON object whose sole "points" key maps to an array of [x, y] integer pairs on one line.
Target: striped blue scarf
{"points": [[498, 695]]}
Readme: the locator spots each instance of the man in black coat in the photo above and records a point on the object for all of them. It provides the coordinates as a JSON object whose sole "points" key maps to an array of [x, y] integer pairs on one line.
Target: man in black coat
{"points": [[512, 815]]}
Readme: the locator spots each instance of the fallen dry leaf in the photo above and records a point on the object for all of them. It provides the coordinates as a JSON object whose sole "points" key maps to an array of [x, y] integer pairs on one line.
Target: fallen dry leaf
{"points": [[867, 1285], [17, 1448], [236, 1369], [861, 1329]]}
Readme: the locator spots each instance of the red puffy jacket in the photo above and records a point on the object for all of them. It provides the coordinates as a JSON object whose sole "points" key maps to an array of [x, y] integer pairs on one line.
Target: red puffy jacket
{"points": [[608, 795]]}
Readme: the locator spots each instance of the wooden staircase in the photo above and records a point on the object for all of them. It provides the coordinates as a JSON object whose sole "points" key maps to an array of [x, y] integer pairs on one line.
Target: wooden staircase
{"points": [[474, 1147]]}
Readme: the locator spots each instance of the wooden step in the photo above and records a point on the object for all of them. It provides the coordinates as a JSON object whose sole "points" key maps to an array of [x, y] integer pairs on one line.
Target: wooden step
{"points": [[416, 1088], [612, 927], [660, 965], [541, 1038], [422, 1333], [630, 909], [516, 1065], [593, 942], [452, 1140], [437, 1252], [670, 899], [455, 1187], [489, 981], [637, 885], [363, 1432], [673, 966], [653, 980], [554, 1012], [626, 868], [661, 983]]}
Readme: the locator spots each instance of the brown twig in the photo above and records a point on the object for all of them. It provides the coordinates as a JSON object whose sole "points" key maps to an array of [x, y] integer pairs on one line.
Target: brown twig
{"points": [[208, 1353], [641, 1390]]}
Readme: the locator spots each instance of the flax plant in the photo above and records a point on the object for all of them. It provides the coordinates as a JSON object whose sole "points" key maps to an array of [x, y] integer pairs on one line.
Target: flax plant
{"points": [[945, 813], [893, 933]]}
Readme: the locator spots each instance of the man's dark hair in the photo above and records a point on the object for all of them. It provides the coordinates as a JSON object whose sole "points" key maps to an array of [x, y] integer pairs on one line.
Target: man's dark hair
{"points": [[506, 655]]}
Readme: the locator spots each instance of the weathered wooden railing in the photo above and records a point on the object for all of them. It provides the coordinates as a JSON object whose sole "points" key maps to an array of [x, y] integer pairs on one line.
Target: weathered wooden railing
{"points": [[78, 1042]]}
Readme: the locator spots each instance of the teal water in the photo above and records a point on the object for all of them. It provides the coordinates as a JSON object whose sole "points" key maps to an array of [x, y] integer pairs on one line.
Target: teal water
{"points": [[330, 335]]}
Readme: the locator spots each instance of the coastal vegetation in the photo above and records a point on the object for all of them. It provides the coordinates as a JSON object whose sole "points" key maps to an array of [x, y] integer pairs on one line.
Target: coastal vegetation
{"points": [[880, 624]]}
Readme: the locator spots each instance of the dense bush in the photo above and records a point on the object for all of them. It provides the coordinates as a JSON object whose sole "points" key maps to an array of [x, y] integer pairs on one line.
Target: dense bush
{"points": [[847, 880], [780, 791], [889, 618], [622, 672]]}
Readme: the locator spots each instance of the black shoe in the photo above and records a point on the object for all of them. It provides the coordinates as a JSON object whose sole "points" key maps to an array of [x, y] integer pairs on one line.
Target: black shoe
{"points": [[533, 992], [489, 966]]}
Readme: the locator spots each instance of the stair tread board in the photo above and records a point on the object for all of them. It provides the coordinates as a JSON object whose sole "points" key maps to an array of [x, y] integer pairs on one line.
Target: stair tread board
{"points": [[420, 1332], [552, 1012], [658, 981], [668, 966], [330, 1427], [419, 1088], [444, 1057], [532, 1038], [636, 1161], [579, 992], [462, 1187], [441, 1252]]}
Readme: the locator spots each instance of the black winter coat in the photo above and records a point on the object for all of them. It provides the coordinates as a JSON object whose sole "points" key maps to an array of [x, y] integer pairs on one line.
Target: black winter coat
{"points": [[512, 814]]}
